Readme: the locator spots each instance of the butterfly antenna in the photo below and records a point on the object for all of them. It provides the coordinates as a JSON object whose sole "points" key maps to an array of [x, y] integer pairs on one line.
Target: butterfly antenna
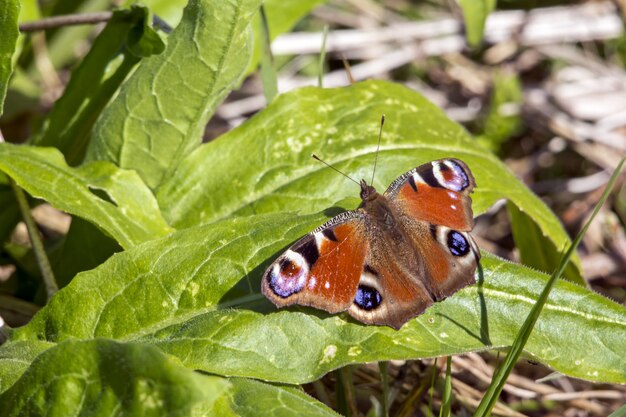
{"points": [[335, 169], [380, 133]]}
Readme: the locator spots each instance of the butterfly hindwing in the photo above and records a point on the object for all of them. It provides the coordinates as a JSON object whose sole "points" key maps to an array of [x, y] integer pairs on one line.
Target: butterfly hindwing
{"points": [[322, 269]]}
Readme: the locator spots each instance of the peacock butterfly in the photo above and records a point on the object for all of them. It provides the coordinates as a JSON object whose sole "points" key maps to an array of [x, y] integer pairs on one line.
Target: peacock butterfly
{"points": [[392, 257]]}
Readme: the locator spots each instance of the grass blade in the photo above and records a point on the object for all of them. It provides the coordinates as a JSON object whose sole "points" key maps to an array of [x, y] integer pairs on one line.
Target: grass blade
{"points": [[322, 66], [384, 373], [268, 72], [446, 397], [33, 232], [499, 379]]}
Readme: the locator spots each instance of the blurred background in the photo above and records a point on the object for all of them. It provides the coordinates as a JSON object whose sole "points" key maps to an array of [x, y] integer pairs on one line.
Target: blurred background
{"points": [[541, 84]]}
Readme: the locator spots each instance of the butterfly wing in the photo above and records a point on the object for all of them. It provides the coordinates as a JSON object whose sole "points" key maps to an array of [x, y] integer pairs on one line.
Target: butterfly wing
{"points": [[435, 209], [322, 269], [437, 193], [387, 293]]}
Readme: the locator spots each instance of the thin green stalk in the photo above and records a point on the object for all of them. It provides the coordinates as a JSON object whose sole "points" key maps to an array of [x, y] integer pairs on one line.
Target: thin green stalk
{"points": [[384, 373], [346, 401], [432, 387], [320, 391], [268, 72], [497, 383], [446, 397], [33, 233], [322, 67]]}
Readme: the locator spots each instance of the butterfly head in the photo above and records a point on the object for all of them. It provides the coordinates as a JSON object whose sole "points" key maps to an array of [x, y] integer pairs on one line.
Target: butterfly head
{"points": [[368, 192]]}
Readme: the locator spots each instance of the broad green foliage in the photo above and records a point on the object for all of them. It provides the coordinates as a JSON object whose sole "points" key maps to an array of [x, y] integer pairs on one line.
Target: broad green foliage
{"points": [[177, 291], [269, 166], [116, 200], [126, 337], [109, 378], [102, 377], [114, 53], [161, 111], [532, 244], [9, 12], [16, 357], [253, 398], [475, 13]]}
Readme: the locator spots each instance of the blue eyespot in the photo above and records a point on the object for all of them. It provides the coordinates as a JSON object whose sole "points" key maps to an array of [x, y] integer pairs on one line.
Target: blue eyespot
{"points": [[367, 298], [458, 245]]}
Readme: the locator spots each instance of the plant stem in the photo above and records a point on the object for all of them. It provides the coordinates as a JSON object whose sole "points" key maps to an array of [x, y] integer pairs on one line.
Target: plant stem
{"points": [[384, 373], [66, 20], [80, 19], [33, 233]]}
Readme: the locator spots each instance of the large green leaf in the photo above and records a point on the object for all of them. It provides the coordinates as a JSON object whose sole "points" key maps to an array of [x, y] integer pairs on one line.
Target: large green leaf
{"points": [[101, 377], [247, 398], [16, 357], [533, 248], [265, 165], [174, 293], [114, 53], [9, 12], [161, 111], [115, 200], [252, 398]]}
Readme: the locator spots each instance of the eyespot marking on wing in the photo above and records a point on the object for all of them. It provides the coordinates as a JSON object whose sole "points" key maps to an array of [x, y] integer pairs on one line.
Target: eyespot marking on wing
{"points": [[368, 294], [457, 243], [288, 275], [367, 298], [450, 175]]}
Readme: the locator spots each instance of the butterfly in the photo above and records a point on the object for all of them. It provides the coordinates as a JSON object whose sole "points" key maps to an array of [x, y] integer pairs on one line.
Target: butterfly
{"points": [[392, 257]]}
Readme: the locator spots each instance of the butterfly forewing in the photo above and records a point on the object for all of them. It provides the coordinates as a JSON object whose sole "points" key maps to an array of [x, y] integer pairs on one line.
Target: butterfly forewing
{"points": [[323, 268], [437, 193]]}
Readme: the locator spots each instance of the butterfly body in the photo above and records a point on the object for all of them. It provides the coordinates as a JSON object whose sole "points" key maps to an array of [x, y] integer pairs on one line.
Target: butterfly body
{"points": [[391, 258]]}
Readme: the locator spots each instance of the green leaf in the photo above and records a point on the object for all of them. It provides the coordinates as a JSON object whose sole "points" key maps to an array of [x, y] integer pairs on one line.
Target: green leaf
{"points": [[102, 377], [176, 292], [252, 398], [535, 250], [115, 200], [125, 39], [9, 12], [160, 113], [16, 357], [475, 14], [83, 248], [276, 172]]}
